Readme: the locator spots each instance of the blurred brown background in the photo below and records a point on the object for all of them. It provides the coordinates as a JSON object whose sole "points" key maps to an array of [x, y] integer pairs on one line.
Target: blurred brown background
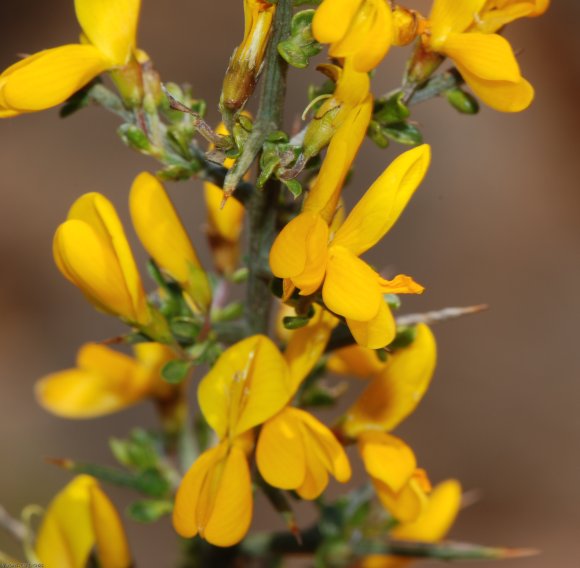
{"points": [[497, 221]]}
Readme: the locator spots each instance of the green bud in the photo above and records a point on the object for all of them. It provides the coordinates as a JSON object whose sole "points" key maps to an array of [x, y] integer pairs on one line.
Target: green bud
{"points": [[404, 133], [240, 275], [405, 337], [462, 101], [138, 452], [393, 301], [295, 322], [184, 329], [135, 138], [228, 313]]}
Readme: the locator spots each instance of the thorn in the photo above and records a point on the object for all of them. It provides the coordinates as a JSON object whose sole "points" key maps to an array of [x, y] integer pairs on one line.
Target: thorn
{"points": [[440, 315], [63, 463], [520, 552], [113, 340], [471, 497], [295, 530]]}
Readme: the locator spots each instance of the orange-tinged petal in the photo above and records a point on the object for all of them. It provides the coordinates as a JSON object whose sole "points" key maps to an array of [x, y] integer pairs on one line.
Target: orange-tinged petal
{"points": [[487, 56], [355, 360], [333, 18], [387, 458], [376, 332], [161, 232], [449, 16], [248, 384], [351, 287], [98, 212], [500, 95], [397, 390], [401, 284], [49, 77], [66, 536], [226, 220], [280, 453], [437, 518], [383, 203], [289, 253], [111, 26], [110, 538], [307, 345]]}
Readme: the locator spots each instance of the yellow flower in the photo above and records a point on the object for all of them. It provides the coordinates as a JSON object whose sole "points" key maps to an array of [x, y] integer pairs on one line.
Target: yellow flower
{"points": [[391, 465], [396, 388], [497, 13], [309, 256], [224, 223], [358, 29], [344, 115], [161, 232], [79, 518], [106, 381], [246, 61], [432, 525], [91, 250], [49, 77], [249, 384], [486, 61]]}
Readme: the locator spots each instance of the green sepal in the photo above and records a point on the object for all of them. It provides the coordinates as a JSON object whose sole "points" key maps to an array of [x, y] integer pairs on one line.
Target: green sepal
{"points": [[174, 372], [149, 510], [393, 301], [392, 109], [301, 45], [135, 138], [461, 101]]}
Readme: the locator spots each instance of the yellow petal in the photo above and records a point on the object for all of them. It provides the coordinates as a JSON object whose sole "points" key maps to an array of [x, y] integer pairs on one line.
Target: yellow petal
{"points": [[387, 458], [368, 37], [290, 251], [307, 345], [344, 145], [248, 384], [500, 95], [384, 201], [351, 287], [333, 18], [437, 518], [161, 232], [98, 212], [407, 505], [49, 77], [215, 497], [66, 535], [486, 56], [111, 26], [152, 357], [91, 265], [449, 16], [280, 453], [376, 332], [397, 390], [490, 21], [355, 360], [226, 221], [111, 540]]}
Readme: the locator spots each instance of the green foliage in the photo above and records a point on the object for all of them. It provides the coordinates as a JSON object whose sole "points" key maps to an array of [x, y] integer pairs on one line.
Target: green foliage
{"points": [[301, 45]]}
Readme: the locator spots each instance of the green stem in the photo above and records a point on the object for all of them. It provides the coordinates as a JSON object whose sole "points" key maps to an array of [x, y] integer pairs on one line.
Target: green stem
{"points": [[262, 205], [436, 86]]}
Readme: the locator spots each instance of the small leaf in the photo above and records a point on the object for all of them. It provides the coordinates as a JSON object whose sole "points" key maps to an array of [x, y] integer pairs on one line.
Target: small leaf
{"points": [[139, 451], [405, 336], [149, 510], [295, 322], [294, 186], [393, 301], [301, 45], [175, 371], [135, 138], [404, 133], [184, 329], [377, 135], [392, 110], [177, 172]]}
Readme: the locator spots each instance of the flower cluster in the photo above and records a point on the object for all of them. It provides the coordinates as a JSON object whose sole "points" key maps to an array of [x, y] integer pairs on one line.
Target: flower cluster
{"points": [[258, 425]]}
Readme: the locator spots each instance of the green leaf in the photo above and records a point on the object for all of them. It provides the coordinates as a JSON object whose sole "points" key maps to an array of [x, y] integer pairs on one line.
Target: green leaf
{"points": [[135, 138], [295, 322], [294, 186], [392, 110], [176, 371], [184, 329], [393, 301], [377, 135], [404, 133], [139, 451], [177, 172], [461, 101], [230, 312], [149, 510], [301, 45], [405, 336]]}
